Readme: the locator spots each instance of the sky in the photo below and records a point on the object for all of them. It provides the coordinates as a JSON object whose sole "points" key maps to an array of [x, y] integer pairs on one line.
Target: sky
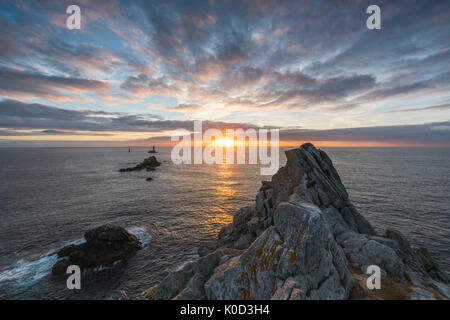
{"points": [[136, 70]]}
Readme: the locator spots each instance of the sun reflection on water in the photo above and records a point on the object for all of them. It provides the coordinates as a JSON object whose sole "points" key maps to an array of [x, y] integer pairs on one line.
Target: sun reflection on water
{"points": [[223, 193]]}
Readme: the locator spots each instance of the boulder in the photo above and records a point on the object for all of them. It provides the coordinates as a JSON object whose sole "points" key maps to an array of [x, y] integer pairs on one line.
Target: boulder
{"points": [[194, 289], [175, 282], [104, 245]]}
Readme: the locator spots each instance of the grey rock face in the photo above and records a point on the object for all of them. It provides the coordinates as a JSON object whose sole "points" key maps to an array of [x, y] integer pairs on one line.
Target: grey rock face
{"points": [[194, 289], [363, 251], [304, 239], [174, 283], [309, 175], [418, 293], [299, 247]]}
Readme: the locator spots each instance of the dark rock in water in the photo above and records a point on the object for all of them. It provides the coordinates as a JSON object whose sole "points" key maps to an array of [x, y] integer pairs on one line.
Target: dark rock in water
{"points": [[104, 245], [150, 164], [153, 150], [149, 179], [61, 266], [304, 239]]}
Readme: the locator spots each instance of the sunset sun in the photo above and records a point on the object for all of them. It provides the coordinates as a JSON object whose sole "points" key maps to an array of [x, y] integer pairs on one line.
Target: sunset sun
{"points": [[225, 142]]}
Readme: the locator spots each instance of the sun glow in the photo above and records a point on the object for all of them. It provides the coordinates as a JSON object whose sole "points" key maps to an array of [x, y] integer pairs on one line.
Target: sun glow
{"points": [[224, 142]]}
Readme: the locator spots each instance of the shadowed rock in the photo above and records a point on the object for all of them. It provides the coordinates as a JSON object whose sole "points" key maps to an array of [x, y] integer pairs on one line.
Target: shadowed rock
{"points": [[104, 245]]}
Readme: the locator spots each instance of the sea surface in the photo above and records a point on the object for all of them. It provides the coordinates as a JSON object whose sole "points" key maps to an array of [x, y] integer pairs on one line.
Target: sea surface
{"points": [[50, 196]]}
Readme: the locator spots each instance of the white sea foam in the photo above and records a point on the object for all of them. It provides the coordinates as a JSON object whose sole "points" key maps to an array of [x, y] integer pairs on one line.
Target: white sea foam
{"points": [[142, 234], [26, 273]]}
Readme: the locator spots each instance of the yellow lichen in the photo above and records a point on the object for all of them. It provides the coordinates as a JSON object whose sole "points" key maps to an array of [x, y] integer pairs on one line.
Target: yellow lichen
{"points": [[245, 294], [259, 251], [254, 272], [292, 257], [241, 277], [268, 255]]}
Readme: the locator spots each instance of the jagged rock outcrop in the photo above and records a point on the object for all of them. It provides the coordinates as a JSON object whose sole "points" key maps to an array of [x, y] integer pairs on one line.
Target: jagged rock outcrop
{"points": [[149, 164], [304, 239], [104, 245], [297, 247]]}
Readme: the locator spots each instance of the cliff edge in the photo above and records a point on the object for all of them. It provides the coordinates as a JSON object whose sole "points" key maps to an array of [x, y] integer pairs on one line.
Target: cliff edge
{"points": [[304, 239]]}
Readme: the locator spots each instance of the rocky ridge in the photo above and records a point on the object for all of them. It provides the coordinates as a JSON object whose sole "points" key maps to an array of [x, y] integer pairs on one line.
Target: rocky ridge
{"points": [[304, 239]]}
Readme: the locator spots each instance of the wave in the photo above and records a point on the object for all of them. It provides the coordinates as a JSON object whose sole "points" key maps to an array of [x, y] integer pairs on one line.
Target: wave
{"points": [[27, 273], [24, 273], [142, 233]]}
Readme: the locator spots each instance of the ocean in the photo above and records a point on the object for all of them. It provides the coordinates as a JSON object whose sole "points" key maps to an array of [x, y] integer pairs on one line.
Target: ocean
{"points": [[50, 196]]}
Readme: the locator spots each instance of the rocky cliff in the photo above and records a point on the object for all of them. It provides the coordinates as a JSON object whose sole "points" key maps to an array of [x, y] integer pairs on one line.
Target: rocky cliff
{"points": [[304, 239]]}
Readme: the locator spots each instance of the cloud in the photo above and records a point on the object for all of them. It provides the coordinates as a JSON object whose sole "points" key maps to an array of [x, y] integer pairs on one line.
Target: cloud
{"points": [[187, 107], [418, 134], [245, 55], [23, 116], [14, 83], [144, 86], [343, 108], [18, 118], [430, 108], [441, 128], [49, 132], [19, 115]]}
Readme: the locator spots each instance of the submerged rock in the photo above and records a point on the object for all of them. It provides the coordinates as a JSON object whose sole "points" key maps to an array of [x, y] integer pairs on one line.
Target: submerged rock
{"points": [[104, 245], [304, 239]]}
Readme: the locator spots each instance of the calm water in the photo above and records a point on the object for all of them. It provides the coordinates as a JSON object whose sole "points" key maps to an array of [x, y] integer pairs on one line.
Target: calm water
{"points": [[49, 197]]}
